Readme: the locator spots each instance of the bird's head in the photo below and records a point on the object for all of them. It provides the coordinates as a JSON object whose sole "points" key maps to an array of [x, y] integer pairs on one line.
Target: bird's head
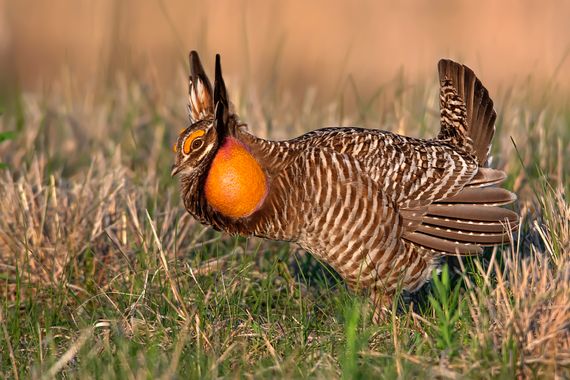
{"points": [[197, 144]]}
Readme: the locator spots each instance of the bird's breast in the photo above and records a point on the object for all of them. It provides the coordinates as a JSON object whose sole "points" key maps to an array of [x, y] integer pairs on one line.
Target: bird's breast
{"points": [[236, 185]]}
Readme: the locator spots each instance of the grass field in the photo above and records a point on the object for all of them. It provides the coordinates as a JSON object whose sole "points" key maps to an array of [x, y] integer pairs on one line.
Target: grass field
{"points": [[104, 275]]}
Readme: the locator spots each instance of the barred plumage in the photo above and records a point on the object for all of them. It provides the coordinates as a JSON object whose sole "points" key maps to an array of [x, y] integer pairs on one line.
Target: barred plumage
{"points": [[380, 208]]}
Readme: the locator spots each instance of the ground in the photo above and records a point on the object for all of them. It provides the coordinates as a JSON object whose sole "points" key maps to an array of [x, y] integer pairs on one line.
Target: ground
{"points": [[104, 275]]}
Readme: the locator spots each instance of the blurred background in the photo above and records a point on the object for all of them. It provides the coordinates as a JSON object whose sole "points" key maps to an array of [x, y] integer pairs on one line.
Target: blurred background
{"points": [[92, 98], [285, 44]]}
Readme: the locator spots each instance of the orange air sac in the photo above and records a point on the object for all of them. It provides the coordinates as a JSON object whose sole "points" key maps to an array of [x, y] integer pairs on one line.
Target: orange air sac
{"points": [[236, 185]]}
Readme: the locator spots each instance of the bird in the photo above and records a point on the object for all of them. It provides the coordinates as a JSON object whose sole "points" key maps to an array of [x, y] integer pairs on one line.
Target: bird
{"points": [[382, 209]]}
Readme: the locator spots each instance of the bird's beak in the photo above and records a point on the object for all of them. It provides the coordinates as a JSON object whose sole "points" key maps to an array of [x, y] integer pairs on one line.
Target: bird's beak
{"points": [[175, 169]]}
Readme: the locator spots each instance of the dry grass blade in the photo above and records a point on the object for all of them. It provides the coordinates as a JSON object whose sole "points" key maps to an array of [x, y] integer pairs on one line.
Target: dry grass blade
{"points": [[181, 309], [9, 345], [68, 355]]}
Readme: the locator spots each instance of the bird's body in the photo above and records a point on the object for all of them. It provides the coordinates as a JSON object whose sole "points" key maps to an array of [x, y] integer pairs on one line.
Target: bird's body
{"points": [[382, 209]]}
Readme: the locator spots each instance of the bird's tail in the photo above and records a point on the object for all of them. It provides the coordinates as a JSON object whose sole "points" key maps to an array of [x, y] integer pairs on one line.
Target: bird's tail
{"points": [[462, 224], [467, 114], [472, 218]]}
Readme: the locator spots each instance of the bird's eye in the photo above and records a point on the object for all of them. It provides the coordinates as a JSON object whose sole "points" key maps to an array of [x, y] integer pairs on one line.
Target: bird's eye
{"points": [[197, 144], [193, 141]]}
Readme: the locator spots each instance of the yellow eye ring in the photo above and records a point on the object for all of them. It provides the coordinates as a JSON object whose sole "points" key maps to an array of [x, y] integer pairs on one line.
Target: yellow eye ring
{"points": [[186, 147]]}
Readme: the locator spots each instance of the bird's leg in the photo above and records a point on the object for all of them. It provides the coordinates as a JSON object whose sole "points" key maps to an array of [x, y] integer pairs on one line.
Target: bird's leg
{"points": [[382, 303]]}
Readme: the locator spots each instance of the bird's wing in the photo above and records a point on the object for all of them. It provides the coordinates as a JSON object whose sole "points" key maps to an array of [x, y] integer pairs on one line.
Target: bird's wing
{"points": [[411, 172], [440, 194]]}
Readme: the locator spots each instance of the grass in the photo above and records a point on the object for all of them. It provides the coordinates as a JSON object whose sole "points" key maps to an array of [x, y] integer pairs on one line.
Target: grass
{"points": [[104, 275]]}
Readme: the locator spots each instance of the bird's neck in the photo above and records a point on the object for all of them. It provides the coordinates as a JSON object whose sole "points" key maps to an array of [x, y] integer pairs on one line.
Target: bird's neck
{"points": [[237, 191]]}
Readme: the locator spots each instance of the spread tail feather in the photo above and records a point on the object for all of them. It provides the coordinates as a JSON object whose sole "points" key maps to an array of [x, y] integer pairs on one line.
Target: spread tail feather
{"points": [[487, 177], [467, 221]]}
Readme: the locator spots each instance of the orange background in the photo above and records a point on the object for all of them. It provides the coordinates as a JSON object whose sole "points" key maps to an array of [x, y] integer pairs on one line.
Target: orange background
{"points": [[295, 43]]}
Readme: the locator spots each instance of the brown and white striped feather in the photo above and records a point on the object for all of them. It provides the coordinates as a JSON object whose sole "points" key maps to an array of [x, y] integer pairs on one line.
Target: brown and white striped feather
{"points": [[375, 202]]}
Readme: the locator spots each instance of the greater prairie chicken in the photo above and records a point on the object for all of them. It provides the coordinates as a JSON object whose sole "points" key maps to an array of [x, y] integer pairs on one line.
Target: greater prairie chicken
{"points": [[382, 209]]}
